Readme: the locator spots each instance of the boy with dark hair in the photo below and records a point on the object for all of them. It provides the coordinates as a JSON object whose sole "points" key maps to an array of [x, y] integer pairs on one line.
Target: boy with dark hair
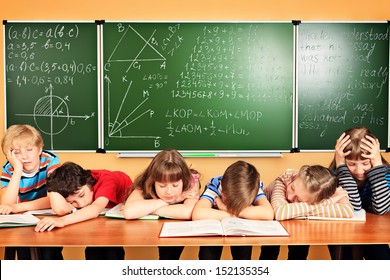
{"points": [[73, 188]]}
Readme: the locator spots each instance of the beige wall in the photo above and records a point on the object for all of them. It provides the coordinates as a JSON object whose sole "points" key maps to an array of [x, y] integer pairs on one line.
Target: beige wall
{"points": [[172, 10]]}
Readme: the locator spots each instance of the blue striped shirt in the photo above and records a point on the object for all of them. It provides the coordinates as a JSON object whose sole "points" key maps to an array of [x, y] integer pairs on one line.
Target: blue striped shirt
{"points": [[32, 186]]}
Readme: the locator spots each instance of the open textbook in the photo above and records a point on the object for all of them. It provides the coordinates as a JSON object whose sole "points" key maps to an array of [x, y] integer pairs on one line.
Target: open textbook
{"points": [[18, 220], [115, 212], [225, 227], [359, 216]]}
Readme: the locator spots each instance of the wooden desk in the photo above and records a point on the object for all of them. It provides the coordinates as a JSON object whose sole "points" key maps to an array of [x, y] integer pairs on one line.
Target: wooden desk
{"points": [[143, 233]]}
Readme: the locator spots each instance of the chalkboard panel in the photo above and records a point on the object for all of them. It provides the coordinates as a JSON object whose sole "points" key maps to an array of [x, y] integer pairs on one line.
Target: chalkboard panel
{"points": [[52, 81], [343, 71], [198, 86]]}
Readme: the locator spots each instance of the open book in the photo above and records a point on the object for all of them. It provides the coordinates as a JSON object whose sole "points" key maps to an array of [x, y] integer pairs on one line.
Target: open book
{"points": [[226, 227], [18, 220], [115, 212], [359, 216]]}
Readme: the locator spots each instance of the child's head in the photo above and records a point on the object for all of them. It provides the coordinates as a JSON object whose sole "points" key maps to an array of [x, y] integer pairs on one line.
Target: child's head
{"points": [[26, 143], [312, 184], [240, 185], [356, 134], [168, 167], [72, 182], [356, 163]]}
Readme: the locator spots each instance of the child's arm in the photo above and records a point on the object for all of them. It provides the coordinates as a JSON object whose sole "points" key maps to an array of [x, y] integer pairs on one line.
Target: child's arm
{"points": [[40, 203], [338, 206], [262, 210], [178, 211], [137, 206], [89, 212], [348, 183], [59, 204], [203, 210], [380, 200]]}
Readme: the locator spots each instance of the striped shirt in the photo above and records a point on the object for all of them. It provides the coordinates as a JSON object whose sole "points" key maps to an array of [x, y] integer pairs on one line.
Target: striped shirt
{"points": [[213, 190], [32, 186], [374, 196], [285, 209]]}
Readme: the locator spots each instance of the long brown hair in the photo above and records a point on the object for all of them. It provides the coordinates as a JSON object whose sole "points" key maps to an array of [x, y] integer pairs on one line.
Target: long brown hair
{"points": [[166, 166]]}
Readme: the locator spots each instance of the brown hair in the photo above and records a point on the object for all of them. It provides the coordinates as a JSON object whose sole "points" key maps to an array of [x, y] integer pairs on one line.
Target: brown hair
{"points": [[319, 181], [24, 132], [240, 185], [356, 134], [166, 166]]}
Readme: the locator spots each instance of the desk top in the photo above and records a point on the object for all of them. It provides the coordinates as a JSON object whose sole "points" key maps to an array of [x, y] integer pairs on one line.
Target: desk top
{"points": [[104, 231]]}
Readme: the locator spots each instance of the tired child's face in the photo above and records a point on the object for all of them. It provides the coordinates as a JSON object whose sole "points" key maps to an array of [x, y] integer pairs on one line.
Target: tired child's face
{"points": [[358, 168], [296, 191], [81, 198], [27, 154], [169, 191]]}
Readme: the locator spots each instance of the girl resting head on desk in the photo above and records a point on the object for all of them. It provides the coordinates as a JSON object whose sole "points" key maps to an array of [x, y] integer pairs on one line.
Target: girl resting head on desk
{"points": [[309, 191], [168, 188]]}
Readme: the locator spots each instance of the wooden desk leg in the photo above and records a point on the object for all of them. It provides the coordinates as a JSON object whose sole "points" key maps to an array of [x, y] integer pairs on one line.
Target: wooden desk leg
{"points": [[35, 254], [10, 253], [337, 252], [357, 252]]}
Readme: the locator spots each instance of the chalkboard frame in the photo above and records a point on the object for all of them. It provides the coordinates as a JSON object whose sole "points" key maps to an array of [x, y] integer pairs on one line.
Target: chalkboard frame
{"points": [[61, 37], [224, 152], [295, 147], [383, 137]]}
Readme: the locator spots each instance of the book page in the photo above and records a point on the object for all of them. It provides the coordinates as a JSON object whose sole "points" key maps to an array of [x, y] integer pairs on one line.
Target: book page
{"points": [[115, 212], [245, 227], [13, 220], [358, 216], [191, 228]]}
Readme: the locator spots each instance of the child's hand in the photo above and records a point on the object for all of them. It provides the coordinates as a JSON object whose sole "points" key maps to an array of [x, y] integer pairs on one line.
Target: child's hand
{"points": [[14, 161], [340, 195], [6, 209], [371, 146], [220, 204], [191, 193], [341, 143], [48, 223]]}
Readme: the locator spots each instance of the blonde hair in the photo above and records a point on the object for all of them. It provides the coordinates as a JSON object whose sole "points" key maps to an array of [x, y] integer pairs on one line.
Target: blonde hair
{"points": [[24, 132], [319, 181], [240, 185], [166, 166]]}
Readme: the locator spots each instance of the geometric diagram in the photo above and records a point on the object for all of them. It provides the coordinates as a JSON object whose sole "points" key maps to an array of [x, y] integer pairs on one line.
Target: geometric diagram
{"points": [[116, 126], [141, 51], [51, 114]]}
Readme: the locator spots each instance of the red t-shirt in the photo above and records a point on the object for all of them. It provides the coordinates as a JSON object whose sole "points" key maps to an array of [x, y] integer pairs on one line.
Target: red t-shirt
{"points": [[114, 185]]}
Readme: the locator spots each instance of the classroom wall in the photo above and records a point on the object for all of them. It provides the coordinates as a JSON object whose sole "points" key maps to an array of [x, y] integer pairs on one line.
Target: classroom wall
{"points": [[196, 10]]}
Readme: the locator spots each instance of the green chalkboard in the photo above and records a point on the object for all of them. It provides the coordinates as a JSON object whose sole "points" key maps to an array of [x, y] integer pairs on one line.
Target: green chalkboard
{"points": [[52, 81], [343, 71], [198, 86]]}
